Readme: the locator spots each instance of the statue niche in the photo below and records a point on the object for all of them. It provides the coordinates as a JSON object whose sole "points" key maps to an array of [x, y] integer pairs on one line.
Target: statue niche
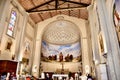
{"points": [[9, 44]]}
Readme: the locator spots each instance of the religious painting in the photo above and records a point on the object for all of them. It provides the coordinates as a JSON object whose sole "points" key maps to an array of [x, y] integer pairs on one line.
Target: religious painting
{"points": [[61, 53], [117, 18], [25, 66], [101, 43]]}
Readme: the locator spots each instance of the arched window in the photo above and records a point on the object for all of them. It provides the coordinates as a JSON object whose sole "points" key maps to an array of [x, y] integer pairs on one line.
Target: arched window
{"points": [[11, 24]]}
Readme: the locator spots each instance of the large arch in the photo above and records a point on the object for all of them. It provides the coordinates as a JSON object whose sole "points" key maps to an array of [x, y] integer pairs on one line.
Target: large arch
{"points": [[58, 36], [82, 26]]}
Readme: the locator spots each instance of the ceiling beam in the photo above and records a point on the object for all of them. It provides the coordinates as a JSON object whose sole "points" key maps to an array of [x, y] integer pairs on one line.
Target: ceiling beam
{"points": [[40, 16], [69, 10], [79, 14], [56, 4], [34, 9], [85, 5], [29, 10], [50, 10]]}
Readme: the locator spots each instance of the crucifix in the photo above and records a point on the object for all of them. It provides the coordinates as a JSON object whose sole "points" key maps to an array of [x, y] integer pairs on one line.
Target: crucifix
{"points": [[62, 70]]}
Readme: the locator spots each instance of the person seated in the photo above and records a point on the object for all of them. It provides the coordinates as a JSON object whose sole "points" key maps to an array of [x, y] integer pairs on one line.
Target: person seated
{"points": [[60, 78], [47, 77], [8, 76], [71, 78], [43, 75], [28, 78], [3, 76], [13, 76], [89, 77], [83, 77], [76, 75]]}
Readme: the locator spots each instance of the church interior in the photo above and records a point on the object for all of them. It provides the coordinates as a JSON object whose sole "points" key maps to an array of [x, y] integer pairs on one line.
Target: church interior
{"points": [[59, 40]]}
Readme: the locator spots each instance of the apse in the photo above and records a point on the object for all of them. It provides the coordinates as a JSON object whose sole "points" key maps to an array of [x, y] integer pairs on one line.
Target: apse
{"points": [[61, 38]]}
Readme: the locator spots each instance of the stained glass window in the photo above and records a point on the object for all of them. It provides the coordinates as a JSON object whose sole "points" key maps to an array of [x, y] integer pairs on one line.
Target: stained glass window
{"points": [[11, 25]]}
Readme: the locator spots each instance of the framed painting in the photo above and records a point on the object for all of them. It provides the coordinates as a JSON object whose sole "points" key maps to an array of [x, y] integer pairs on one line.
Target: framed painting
{"points": [[116, 18]]}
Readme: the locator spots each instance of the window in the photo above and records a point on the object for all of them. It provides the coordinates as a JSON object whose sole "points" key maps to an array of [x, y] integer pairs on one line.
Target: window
{"points": [[11, 25]]}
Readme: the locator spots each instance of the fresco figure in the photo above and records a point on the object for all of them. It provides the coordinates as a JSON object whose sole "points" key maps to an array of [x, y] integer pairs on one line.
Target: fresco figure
{"points": [[60, 57]]}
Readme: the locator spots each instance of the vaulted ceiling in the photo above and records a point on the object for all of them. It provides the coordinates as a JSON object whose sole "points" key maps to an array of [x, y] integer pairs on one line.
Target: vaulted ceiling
{"points": [[40, 10]]}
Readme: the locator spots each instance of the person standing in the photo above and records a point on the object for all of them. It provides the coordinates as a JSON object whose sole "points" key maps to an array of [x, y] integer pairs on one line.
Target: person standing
{"points": [[83, 77], [89, 77], [3, 76]]}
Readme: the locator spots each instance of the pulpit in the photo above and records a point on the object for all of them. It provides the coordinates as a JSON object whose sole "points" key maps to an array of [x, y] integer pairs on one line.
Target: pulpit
{"points": [[8, 66]]}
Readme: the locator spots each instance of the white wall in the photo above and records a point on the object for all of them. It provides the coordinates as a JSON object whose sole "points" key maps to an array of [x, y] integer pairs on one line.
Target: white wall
{"points": [[24, 31], [71, 66], [7, 54]]}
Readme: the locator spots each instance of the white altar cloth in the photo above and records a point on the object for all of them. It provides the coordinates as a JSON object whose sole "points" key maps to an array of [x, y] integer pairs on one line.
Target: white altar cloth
{"points": [[60, 75]]}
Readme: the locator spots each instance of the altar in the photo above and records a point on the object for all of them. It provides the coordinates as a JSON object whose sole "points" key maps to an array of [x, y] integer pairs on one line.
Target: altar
{"points": [[59, 76], [62, 71]]}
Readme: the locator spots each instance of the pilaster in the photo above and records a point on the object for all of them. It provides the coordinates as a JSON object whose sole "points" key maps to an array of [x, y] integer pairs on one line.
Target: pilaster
{"points": [[4, 4], [94, 37], [22, 36], [85, 56], [36, 61], [109, 41]]}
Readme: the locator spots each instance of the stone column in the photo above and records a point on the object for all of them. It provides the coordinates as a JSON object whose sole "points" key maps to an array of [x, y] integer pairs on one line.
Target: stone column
{"points": [[20, 42], [36, 61], [94, 26], [109, 38], [22, 37], [94, 33], [85, 56]]}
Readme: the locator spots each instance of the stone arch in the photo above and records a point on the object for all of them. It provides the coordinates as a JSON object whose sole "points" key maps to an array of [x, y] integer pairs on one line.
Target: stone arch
{"points": [[81, 26], [69, 21]]}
